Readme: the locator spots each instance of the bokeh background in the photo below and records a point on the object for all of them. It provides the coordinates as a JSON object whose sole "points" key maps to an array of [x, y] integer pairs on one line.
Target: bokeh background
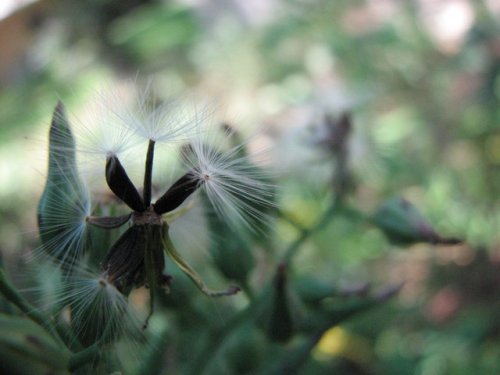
{"points": [[421, 80]]}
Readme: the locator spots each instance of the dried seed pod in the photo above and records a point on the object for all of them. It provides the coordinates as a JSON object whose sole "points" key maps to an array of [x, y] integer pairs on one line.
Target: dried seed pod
{"points": [[120, 184], [177, 193], [124, 263]]}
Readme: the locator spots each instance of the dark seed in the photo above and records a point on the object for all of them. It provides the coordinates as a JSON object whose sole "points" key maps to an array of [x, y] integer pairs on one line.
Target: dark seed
{"points": [[119, 182], [178, 193]]}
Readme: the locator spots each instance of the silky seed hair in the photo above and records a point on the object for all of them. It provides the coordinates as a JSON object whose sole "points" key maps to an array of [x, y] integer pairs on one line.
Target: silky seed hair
{"points": [[95, 302], [66, 223], [235, 187], [168, 120]]}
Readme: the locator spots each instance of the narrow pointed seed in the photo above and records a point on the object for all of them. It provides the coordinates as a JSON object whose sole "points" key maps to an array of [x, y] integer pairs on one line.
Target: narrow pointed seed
{"points": [[120, 184], [108, 222], [177, 193]]}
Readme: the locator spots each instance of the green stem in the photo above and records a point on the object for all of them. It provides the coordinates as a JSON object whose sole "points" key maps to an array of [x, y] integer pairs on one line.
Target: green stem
{"points": [[287, 217], [248, 290], [210, 346], [306, 233], [87, 355], [12, 295], [69, 338], [193, 275], [296, 358]]}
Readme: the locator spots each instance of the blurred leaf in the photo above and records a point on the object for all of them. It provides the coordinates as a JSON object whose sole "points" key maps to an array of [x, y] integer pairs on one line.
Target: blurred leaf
{"points": [[27, 349]]}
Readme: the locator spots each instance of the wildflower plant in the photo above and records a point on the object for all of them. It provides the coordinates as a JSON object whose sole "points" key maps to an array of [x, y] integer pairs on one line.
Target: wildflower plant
{"points": [[101, 252], [136, 258]]}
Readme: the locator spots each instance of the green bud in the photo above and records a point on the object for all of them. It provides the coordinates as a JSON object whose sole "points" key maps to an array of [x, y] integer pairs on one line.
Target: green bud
{"points": [[313, 291], [232, 254], [339, 310], [276, 318], [64, 201], [403, 224], [27, 349]]}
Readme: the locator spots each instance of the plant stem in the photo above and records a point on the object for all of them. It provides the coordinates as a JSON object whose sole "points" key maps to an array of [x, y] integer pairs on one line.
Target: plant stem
{"points": [[248, 290], [211, 346], [12, 295], [172, 252], [87, 355], [289, 218], [307, 232], [296, 358], [148, 174]]}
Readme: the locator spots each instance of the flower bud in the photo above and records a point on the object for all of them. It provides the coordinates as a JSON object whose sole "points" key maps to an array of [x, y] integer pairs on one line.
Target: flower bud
{"points": [[338, 310], [403, 224], [312, 291], [277, 318]]}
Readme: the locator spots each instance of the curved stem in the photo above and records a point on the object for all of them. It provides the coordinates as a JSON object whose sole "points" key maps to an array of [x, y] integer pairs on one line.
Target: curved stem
{"points": [[12, 295], [210, 346], [87, 355], [193, 275], [306, 233]]}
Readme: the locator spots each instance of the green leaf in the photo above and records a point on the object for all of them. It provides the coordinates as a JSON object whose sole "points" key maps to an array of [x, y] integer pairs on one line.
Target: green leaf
{"points": [[26, 349]]}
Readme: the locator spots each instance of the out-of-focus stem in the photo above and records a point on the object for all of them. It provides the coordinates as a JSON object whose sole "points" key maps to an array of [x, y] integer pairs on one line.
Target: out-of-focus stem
{"points": [[248, 290], [12, 295], [190, 272], [88, 355], [307, 232], [211, 346]]}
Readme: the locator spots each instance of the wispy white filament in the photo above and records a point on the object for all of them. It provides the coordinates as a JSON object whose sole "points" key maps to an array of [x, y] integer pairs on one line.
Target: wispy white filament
{"points": [[238, 190], [65, 221]]}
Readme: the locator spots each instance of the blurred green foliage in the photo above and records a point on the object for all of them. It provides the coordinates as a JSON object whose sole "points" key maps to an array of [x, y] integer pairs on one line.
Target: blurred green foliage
{"points": [[426, 126]]}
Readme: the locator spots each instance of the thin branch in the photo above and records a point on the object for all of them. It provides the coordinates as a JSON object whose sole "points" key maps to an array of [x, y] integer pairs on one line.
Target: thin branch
{"points": [[307, 232]]}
